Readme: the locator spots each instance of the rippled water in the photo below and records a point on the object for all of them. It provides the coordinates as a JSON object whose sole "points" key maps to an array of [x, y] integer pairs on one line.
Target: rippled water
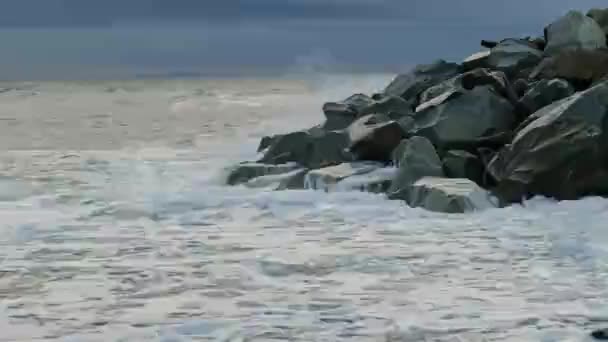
{"points": [[114, 226]]}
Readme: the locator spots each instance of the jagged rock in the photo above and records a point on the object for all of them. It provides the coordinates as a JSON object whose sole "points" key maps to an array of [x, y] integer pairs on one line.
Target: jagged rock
{"points": [[476, 60], [328, 178], [463, 116], [520, 87], [463, 164], [416, 158], [340, 115], [539, 42], [449, 195], [580, 67], [244, 172], [574, 31], [310, 149], [509, 56], [601, 17], [561, 152], [544, 93], [512, 55], [374, 137], [497, 79], [394, 107], [293, 180], [410, 85], [266, 141]]}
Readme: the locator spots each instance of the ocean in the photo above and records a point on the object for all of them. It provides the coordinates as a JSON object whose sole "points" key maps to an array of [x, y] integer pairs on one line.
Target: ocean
{"points": [[115, 225]]}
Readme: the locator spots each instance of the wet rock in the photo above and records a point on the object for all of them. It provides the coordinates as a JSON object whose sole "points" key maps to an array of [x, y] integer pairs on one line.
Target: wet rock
{"points": [[560, 152], [463, 116], [309, 149], [293, 180], [340, 115], [415, 158], [600, 334], [449, 195], [574, 31], [328, 178], [544, 93], [266, 141], [463, 164], [374, 137], [410, 85], [581, 68], [244, 172]]}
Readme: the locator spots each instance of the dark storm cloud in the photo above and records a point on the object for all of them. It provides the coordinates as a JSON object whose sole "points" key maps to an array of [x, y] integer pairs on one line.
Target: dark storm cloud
{"points": [[105, 12]]}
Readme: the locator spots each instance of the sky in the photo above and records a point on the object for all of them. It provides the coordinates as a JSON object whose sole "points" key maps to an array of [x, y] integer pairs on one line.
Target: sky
{"points": [[91, 38]]}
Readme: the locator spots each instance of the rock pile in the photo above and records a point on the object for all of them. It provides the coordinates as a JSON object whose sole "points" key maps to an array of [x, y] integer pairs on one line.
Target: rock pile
{"points": [[525, 117]]}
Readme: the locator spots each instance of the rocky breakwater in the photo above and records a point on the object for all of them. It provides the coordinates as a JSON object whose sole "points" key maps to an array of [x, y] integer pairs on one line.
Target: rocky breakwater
{"points": [[525, 117]]}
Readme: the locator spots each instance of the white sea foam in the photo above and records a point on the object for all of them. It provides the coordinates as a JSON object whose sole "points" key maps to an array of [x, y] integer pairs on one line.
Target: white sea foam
{"points": [[136, 239]]}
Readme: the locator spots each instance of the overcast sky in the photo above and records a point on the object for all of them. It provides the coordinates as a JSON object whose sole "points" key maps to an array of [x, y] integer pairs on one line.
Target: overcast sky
{"points": [[42, 38]]}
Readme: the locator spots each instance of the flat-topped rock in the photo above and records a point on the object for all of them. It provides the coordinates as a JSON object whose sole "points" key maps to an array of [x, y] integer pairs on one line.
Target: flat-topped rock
{"points": [[449, 195], [328, 178], [244, 172], [339, 115], [374, 137]]}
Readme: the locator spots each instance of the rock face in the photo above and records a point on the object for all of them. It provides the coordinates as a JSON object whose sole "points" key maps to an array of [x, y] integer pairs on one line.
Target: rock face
{"points": [[512, 55], [601, 17], [574, 31], [580, 67], [544, 93], [244, 172], [463, 116], [374, 137], [449, 195], [340, 115], [417, 158], [330, 178], [463, 164], [410, 85], [309, 150], [560, 153], [392, 106]]}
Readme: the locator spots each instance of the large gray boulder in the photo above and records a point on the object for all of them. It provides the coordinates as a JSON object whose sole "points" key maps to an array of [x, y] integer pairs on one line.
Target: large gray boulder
{"points": [[544, 93], [340, 115], [347, 176], [463, 164], [574, 31], [311, 149], [509, 56], [410, 85], [561, 152], [244, 172], [463, 116], [374, 137], [449, 195], [416, 158]]}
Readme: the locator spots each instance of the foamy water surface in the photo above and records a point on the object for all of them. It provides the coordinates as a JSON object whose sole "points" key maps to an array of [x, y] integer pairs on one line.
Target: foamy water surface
{"points": [[114, 226]]}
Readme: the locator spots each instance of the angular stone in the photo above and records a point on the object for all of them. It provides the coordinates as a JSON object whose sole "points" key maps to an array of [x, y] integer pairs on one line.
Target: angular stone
{"points": [[449, 195], [410, 85], [266, 141], [512, 55], [476, 60], [374, 137], [560, 152], [244, 172], [417, 158], [392, 106], [327, 178], [574, 31], [464, 116], [463, 164], [312, 150], [544, 93], [497, 79], [579, 67], [340, 115]]}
